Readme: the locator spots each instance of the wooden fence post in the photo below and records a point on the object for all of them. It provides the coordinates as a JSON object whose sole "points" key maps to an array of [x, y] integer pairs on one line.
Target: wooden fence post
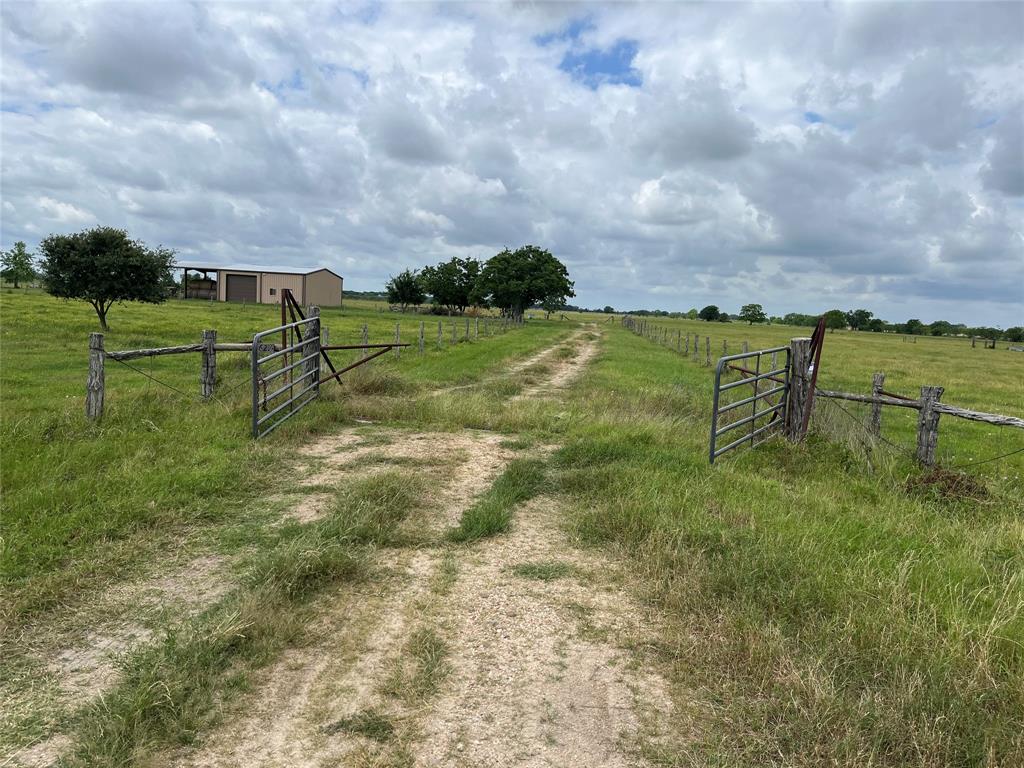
{"points": [[679, 342], [366, 339], [423, 327], [465, 336], [974, 341], [454, 339], [96, 382], [440, 334], [725, 347], [398, 338], [311, 368], [746, 347], [708, 351], [686, 350], [208, 368], [928, 425], [877, 385], [799, 387], [476, 328]]}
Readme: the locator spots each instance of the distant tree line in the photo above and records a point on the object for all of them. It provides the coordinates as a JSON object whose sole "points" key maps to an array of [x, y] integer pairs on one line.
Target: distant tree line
{"points": [[853, 319], [510, 281]]}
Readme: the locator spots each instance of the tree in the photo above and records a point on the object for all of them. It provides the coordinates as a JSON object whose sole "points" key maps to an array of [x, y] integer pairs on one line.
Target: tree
{"points": [[709, 313], [753, 313], [940, 328], [876, 325], [102, 266], [405, 289], [692, 314], [1016, 333], [913, 326], [515, 280], [452, 284], [608, 310], [858, 319], [835, 318], [17, 264]]}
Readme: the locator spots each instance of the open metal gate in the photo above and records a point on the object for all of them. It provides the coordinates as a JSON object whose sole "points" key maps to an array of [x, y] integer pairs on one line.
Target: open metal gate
{"points": [[286, 378], [741, 416]]}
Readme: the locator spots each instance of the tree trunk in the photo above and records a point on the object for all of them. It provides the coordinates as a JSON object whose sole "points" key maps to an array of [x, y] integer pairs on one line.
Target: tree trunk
{"points": [[101, 313]]}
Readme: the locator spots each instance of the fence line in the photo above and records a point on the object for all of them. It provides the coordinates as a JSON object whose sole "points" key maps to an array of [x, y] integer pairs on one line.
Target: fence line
{"points": [[928, 403]]}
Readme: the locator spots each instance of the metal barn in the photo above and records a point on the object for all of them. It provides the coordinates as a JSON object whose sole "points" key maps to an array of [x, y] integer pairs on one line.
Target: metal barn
{"points": [[261, 284]]}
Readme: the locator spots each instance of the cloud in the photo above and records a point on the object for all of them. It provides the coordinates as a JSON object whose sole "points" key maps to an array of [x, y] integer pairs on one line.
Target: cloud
{"points": [[790, 154]]}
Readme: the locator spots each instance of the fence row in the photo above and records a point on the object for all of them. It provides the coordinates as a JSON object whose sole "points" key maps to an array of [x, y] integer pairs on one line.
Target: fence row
{"points": [[449, 333], [803, 389]]}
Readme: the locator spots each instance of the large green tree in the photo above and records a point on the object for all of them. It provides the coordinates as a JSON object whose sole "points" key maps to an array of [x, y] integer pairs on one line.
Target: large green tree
{"points": [[710, 313], [103, 266], [515, 280], [858, 319], [835, 318], [753, 313], [17, 265], [452, 284], [405, 289]]}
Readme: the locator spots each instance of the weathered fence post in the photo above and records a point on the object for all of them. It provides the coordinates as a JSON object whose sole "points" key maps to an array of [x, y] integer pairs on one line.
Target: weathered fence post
{"points": [[311, 368], [208, 368], [928, 425], [465, 336], [423, 326], [95, 384], [708, 351], [746, 347], [476, 328], [877, 384], [686, 351], [725, 347], [679, 342], [454, 339], [799, 387], [974, 341], [398, 339], [440, 334], [366, 339]]}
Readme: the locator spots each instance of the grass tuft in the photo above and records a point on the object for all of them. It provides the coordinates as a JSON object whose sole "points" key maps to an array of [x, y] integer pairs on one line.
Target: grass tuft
{"points": [[368, 723], [419, 672], [545, 570], [522, 480]]}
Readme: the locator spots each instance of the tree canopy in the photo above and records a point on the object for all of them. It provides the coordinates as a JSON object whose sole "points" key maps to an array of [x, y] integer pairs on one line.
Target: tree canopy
{"points": [[709, 313], [835, 318], [17, 265], [858, 319], [405, 288], [453, 284], [102, 266], [753, 313], [515, 280]]}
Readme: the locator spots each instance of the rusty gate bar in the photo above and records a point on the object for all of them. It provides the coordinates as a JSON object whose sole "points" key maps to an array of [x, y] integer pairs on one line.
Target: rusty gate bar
{"points": [[752, 377], [293, 357]]}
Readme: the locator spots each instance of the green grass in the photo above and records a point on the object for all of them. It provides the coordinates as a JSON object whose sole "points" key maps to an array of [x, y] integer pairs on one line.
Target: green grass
{"points": [[545, 570], [421, 668], [492, 514], [819, 604], [86, 503], [368, 723]]}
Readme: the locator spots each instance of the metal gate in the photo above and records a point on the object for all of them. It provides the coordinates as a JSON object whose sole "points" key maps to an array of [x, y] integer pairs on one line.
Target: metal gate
{"points": [[287, 377], [761, 424]]}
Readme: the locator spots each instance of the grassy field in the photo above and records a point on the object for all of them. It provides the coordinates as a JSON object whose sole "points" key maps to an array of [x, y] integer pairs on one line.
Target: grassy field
{"points": [[820, 607]]}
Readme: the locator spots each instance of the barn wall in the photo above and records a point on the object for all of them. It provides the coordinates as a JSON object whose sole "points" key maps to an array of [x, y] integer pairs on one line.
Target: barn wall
{"points": [[278, 281], [323, 289]]}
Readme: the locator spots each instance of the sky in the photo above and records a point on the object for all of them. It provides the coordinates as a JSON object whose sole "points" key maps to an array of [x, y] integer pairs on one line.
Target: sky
{"points": [[803, 156]]}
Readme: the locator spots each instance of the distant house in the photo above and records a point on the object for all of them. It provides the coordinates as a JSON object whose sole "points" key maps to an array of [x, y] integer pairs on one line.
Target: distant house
{"points": [[261, 284]]}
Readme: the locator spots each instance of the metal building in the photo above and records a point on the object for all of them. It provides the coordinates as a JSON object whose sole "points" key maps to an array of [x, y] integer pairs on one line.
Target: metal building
{"points": [[261, 284]]}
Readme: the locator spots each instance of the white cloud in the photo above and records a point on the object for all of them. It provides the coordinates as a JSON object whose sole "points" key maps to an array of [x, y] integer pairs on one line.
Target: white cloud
{"points": [[793, 154]]}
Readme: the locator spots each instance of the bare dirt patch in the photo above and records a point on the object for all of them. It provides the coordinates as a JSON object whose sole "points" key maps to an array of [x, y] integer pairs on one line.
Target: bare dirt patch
{"points": [[541, 675], [562, 371]]}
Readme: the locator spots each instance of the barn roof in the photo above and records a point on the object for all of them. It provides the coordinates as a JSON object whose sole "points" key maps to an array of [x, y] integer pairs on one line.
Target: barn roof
{"points": [[276, 270]]}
